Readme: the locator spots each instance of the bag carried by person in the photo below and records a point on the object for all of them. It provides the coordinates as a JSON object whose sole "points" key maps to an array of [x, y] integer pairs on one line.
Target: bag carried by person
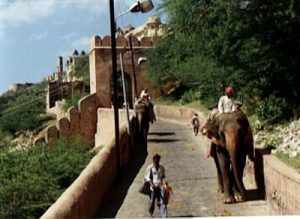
{"points": [[145, 188]]}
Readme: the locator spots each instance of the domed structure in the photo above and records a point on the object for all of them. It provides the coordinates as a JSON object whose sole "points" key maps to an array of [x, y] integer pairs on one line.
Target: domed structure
{"points": [[152, 28]]}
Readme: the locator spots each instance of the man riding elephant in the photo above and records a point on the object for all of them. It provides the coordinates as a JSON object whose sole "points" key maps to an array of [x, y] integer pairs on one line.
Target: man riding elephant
{"points": [[232, 138], [145, 114]]}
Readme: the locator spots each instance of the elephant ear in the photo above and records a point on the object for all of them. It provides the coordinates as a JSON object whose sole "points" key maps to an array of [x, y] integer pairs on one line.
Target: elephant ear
{"points": [[211, 128]]}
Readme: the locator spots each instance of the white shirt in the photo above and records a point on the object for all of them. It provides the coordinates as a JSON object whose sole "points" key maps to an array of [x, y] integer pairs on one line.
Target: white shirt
{"points": [[226, 105], [157, 175]]}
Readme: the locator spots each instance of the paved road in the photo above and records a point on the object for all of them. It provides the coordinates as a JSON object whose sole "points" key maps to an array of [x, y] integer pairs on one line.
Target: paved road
{"points": [[191, 175]]}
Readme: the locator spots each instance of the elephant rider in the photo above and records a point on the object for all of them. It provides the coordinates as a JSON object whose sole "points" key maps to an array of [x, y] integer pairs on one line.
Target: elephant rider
{"points": [[146, 101], [144, 91], [227, 103]]}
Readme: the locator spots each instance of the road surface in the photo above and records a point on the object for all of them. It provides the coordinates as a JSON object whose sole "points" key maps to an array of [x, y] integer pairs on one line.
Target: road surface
{"points": [[191, 175]]}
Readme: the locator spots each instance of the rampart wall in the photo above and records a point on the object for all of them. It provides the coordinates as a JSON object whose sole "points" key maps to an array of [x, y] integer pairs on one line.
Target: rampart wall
{"points": [[83, 197], [81, 121]]}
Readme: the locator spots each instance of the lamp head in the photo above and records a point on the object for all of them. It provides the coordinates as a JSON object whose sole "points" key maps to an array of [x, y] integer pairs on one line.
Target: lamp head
{"points": [[141, 60], [143, 7]]}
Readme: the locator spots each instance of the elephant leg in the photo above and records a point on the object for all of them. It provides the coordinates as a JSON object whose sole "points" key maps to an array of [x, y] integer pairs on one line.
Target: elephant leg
{"points": [[214, 155], [238, 161], [224, 160], [240, 187]]}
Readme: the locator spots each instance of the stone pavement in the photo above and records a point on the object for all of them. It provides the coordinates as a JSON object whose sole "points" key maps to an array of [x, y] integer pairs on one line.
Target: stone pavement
{"points": [[191, 175]]}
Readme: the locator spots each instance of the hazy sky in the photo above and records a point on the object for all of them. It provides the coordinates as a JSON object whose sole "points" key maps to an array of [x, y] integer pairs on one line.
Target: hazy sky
{"points": [[34, 32]]}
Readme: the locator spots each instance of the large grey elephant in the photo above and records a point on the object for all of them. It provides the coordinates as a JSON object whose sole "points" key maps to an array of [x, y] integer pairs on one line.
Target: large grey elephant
{"points": [[145, 114], [232, 139]]}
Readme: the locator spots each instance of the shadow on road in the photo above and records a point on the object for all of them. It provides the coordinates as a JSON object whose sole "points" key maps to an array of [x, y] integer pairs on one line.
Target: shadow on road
{"points": [[114, 199], [162, 133], [159, 140], [254, 194]]}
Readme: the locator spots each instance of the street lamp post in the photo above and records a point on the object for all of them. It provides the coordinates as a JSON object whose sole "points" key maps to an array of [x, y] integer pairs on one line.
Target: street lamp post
{"points": [[138, 6]]}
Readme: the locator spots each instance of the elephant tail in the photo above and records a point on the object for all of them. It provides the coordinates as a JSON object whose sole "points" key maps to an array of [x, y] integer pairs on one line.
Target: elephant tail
{"points": [[248, 142]]}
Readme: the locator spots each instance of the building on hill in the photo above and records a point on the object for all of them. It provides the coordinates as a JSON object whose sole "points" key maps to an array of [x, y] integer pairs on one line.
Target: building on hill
{"points": [[73, 63], [15, 87], [152, 28]]}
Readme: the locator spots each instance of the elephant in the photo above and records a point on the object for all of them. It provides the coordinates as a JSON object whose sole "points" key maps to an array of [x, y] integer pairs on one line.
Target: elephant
{"points": [[145, 114], [232, 141]]}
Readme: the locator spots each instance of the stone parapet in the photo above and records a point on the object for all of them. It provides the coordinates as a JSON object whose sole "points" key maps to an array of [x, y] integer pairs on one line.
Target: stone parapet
{"points": [[83, 197], [81, 121], [179, 114], [97, 42], [106, 124], [282, 186]]}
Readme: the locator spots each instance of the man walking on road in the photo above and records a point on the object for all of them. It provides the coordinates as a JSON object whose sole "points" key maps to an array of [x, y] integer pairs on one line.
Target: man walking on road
{"points": [[155, 173]]}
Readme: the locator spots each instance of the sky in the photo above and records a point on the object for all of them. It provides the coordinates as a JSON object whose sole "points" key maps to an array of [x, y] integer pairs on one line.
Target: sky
{"points": [[33, 33]]}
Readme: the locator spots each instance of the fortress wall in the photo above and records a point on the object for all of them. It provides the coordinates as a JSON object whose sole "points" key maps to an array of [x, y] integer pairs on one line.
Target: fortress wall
{"points": [[83, 197], [106, 124], [81, 121]]}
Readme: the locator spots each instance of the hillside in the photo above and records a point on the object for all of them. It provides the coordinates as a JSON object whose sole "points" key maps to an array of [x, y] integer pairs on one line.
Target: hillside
{"points": [[22, 110]]}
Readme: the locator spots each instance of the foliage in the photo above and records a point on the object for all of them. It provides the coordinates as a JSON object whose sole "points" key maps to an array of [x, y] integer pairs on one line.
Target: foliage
{"points": [[73, 101], [32, 179], [189, 96], [251, 45], [5, 142], [271, 108], [81, 68], [21, 110]]}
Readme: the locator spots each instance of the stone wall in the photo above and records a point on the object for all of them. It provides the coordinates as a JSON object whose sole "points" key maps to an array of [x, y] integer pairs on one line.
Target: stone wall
{"points": [[57, 109], [81, 121], [179, 114], [83, 197], [57, 91], [278, 183], [106, 124]]}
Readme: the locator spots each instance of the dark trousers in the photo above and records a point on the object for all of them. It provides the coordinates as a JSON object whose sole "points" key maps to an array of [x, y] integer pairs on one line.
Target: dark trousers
{"points": [[196, 129]]}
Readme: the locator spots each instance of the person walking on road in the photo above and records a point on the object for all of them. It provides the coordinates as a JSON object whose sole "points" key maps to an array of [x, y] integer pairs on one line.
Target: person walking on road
{"points": [[196, 123], [155, 174]]}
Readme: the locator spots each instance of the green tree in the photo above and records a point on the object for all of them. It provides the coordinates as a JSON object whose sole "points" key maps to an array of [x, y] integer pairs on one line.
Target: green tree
{"points": [[251, 45]]}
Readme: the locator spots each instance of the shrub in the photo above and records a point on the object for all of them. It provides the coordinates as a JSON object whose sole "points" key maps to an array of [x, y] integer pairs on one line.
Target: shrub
{"points": [[34, 178], [271, 108], [190, 96], [73, 101]]}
